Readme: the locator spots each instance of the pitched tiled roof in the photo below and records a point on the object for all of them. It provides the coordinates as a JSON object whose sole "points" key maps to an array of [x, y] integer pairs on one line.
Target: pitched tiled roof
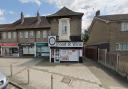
{"points": [[117, 17], [29, 22], [65, 12], [32, 22], [3, 26]]}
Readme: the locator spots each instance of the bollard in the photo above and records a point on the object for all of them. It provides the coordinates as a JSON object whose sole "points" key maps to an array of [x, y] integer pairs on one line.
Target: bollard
{"points": [[11, 70], [28, 76], [51, 81]]}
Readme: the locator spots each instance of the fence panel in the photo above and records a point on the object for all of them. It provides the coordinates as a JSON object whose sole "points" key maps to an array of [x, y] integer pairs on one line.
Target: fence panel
{"points": [[108, 59]]}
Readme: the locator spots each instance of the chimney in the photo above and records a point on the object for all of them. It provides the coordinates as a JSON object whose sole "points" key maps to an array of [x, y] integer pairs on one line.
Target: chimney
{"points": [[22, 18], [97, 12], [38, 17]]}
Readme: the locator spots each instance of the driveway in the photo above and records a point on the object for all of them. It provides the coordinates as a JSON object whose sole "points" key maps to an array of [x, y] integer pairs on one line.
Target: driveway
{"points": [[109, 79]]}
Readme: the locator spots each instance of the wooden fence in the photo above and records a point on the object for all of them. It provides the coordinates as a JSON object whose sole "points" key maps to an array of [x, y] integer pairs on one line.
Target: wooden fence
{"points": [[114, 61], [109, 60]]}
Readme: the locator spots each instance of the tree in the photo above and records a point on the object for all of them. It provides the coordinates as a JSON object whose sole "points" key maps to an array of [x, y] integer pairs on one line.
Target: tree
{"points": [[85, 36]]}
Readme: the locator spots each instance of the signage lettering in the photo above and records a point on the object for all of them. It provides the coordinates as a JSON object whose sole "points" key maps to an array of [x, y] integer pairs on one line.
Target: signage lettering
{"points": [[69, 44]]}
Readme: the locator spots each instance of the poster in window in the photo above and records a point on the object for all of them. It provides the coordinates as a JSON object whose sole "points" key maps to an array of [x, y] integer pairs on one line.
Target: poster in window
{"points": [[69, 55]]}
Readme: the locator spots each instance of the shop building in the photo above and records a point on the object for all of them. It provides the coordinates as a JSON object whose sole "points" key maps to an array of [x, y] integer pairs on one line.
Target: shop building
{"points": [[9, 49], [42, 49], [27, 32], [65, 51], [26, 49], [65, 40], [31, 34]]}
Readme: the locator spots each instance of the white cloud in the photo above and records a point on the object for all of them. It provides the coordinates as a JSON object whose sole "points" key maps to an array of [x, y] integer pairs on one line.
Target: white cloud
{"points": [[1, 12], [38, 2], [2, 16], [89, 7]]}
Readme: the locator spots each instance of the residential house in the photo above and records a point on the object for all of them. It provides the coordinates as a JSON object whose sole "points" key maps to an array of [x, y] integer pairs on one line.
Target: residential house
{"points": [[109, 32]]}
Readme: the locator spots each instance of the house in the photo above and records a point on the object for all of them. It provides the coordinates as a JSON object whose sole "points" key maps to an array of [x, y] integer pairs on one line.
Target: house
{"points": [[109, 32], [65, 40], [57, 36]]}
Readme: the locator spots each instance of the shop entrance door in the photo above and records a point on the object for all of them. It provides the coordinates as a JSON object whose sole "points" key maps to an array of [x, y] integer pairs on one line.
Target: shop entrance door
{"points": [[56, 55]]}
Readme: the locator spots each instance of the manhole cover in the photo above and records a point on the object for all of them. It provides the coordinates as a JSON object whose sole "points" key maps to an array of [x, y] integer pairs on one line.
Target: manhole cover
{"points": [[66, 80]]}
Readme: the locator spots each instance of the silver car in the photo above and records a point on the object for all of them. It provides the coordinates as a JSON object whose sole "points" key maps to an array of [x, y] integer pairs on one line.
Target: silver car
{"points": [[3, 81]]}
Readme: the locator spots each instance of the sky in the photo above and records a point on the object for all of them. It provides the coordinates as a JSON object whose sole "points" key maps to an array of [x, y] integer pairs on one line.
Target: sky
{"points": [[10, 9]]}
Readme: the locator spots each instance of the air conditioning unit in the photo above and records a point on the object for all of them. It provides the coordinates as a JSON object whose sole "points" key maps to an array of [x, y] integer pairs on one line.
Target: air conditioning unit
{"points": [[52, 41]]}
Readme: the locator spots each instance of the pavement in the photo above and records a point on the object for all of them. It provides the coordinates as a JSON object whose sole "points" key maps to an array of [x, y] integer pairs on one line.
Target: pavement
{"points": [[44, 75], [109, 79]]}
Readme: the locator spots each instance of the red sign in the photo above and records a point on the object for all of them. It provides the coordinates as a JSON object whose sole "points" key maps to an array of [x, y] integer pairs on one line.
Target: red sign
{"points": [[0, 44], [8, 44]]}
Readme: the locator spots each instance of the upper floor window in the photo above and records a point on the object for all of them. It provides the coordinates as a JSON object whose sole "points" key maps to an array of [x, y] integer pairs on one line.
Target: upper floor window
{"points": [[9, 35], [31, 34], [21, 34], [26, 34], [4, 35], [38, 34], [45, 34], [64, 29], [124, 26], [14, 34], [64, 26]]}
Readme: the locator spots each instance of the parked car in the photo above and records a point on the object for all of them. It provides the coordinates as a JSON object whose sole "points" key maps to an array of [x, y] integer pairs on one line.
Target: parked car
{"points": [[3, 81]]}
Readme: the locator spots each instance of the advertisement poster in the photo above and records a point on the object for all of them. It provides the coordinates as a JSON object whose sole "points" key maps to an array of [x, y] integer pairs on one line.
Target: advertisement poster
{"points": [[69, 55]]}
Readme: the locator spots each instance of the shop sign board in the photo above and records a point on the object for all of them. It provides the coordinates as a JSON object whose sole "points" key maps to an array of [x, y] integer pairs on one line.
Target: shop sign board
{"points": [[8, 44], [26, 44], [69, 44], [52, 41], [41, 44]]}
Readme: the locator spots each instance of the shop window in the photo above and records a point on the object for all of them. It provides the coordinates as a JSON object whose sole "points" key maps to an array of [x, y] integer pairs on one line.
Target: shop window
{"points": [[38, 49], [14, 50]]}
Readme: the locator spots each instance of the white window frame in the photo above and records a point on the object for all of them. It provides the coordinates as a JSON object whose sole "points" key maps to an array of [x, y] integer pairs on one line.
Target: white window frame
{"points": [[4, 34], [9, 35], [31, 34], [21, 34], [38, 34], [45, 34], [122, 46], [124, 26], [26, 34], [14, 34], [62, 24]]}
